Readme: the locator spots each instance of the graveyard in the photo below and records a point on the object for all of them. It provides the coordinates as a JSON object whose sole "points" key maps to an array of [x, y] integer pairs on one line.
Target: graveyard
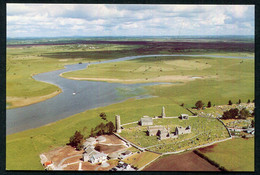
{"points": [[163, 134]]}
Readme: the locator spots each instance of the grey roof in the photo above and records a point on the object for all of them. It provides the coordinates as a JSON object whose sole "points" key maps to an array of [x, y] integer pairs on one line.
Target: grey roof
{"points": [[91, 139], [127, 152], [113, 155], [90, 151], [101, 138], [146, 119], [98, 155]]}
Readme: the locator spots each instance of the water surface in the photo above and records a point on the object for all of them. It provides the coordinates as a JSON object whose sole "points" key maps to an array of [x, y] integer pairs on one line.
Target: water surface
{"points": [[77, 96]]}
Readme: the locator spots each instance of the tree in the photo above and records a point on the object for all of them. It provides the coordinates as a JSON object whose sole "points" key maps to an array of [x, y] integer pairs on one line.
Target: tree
{"points": [[111, 127], [230, 102], [80, 145], [199, 104], [76, 139], [92, 134], [232, 113], [209, 104], [248, 101], [239, 101], [253, 114], [100, 129], [103, 116], [253, 123], [244, 113]]}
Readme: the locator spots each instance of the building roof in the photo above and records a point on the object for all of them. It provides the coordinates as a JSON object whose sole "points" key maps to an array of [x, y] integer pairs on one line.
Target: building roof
{"points": [[98, 155], [90, 151], [113, 155], [127, 152], [86, 144], [184, 115], [91, 139], [101, 139], [146, 119]]}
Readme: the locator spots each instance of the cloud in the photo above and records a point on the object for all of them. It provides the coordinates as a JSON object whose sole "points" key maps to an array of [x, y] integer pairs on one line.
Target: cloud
{"points": [[45, 20]]}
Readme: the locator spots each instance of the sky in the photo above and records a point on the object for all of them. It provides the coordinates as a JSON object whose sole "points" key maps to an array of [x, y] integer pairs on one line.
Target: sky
{"points": [[56, 20]]}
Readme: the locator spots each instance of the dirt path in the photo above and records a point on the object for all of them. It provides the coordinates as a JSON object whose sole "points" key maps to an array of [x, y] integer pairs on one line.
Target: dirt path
{"points": [[60, 166], [188, 161]]}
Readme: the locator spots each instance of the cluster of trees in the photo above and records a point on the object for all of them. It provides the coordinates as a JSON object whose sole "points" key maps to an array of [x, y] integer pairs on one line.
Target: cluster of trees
{"points": [[199, 104], [239, 101], [77, 139], [102, 128], [236, 114]]}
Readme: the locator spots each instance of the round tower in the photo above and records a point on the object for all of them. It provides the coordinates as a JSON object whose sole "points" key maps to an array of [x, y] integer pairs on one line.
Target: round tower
{"points": [[163, 112], [118, 124]]}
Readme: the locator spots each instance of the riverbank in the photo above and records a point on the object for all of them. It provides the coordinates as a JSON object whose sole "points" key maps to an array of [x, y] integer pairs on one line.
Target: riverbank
{"points": [[168, 79], [24, 101], [235, 80]]}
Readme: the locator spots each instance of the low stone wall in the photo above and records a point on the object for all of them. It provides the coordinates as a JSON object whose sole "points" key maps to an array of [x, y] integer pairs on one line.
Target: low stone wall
{"points": [[190, 111], [196, 147], [129, 123], [141, 149], [225, 127]]}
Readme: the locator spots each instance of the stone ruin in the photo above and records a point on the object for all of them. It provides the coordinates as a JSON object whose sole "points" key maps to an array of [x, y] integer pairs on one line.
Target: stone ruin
{"points": [[165, 133]]}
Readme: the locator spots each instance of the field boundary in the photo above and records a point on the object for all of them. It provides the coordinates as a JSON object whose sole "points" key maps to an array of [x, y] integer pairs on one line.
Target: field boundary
{"points": [[140, 169], [196, 147], [125, 140], [221, 168], [225, 127], [129, 123]]}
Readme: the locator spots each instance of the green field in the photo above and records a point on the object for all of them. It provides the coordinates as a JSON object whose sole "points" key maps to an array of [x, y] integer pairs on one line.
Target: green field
{"points": [[228, 80], [224, 79], [140, 160], [24, 62], [56, 134], [203, 131], [235, 155]]}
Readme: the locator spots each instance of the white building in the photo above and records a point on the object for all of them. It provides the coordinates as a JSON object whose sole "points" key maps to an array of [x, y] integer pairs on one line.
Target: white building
{"points": [[96, 158]]}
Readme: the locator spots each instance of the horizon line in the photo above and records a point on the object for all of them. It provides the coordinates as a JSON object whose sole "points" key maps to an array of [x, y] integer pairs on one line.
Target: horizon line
{"points": [[24, 37]]}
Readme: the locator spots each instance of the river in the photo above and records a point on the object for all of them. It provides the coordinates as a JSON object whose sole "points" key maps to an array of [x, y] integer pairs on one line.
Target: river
{"points": [[77, 96]]}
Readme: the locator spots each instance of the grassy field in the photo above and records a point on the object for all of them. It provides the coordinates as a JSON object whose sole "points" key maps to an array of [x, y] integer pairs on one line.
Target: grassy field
{"points": [[230, 80], [56, 134], [234, 155], [24, 62], [22, 89], [223, 79], [204, 130], [141, 159]]}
